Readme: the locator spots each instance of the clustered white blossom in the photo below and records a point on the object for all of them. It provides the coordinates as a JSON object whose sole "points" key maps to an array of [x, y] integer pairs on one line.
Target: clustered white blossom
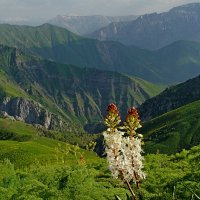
{"points": [[124, 152], [132, 155], [113, 151]]}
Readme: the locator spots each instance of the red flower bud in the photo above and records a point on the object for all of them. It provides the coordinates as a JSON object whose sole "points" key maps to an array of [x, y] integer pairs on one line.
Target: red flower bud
{"points": [[132, 112], [112, 108]]}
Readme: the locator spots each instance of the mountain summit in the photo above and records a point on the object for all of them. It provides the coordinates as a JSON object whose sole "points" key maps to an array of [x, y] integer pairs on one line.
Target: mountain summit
{"points": [[87, 24], [153, 31]]}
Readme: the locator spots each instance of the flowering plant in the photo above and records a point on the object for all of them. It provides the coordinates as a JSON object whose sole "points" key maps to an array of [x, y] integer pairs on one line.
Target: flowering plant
{"points": [[123, 147]]}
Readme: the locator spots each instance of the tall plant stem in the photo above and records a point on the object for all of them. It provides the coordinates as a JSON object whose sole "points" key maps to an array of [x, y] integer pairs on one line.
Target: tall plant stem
{"points": [[131, 190], [138, 186]]}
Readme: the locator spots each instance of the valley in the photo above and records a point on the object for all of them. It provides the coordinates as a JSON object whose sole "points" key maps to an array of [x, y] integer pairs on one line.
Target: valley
{"points": [[60, 45], [88, 100]]}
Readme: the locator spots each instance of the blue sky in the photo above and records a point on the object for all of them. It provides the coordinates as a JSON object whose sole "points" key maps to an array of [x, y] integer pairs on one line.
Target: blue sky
{"points": [[46, 9]]}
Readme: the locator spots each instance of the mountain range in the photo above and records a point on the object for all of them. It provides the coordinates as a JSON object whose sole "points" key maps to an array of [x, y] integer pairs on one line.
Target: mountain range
{"points": [[56, 79], [65, 93], [83, 25], [55, 87], [154, 31], [174, 63], [66, 98]]}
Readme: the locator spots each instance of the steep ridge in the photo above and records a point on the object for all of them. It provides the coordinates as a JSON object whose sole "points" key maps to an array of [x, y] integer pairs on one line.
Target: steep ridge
{"points": [[78, 95], [172, 98], [60, 45], [153, 31]]}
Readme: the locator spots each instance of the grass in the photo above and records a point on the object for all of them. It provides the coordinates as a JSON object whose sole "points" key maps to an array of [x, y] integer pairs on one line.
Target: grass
{"points": [[19, 128], [173, 131], [22, 145], [44, 168], [9, 87], [41, 150], [150, 88]]}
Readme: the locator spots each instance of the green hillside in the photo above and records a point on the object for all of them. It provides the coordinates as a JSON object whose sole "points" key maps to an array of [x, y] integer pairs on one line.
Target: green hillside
{"points": [[20, 141], [78, 95], [9, 87], [32, 37], [36, 167], [152, 89], [60, 45], [181, 58], [174, 130], [174, 63], [171, 98]]}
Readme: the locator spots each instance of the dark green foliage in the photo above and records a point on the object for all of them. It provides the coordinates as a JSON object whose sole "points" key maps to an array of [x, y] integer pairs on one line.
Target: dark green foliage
{"points": [[168, 177], [172, 177], [48, 169], [8, 180], [4, 135], [58, 182]]}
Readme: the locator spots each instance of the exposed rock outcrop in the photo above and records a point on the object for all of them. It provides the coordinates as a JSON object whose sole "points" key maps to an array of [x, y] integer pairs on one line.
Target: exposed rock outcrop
{"points": [[30, 112]]}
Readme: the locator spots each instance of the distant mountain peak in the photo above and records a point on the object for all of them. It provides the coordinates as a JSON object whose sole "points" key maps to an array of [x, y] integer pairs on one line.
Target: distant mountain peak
{"points": [[190, 6], [87, 24], [156, 30]]}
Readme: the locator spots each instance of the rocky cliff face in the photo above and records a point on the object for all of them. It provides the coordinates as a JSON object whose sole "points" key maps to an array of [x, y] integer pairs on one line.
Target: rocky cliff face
{"points": [[153, 31], [82, 93], [30, 112], [79, 95]]}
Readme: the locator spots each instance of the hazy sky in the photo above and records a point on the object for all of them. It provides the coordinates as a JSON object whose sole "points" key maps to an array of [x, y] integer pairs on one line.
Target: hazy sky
{"points": [[33, 9]]}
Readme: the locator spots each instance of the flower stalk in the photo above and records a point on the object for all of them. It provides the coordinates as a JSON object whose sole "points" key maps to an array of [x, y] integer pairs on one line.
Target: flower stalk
{"points": [[123, 148]]}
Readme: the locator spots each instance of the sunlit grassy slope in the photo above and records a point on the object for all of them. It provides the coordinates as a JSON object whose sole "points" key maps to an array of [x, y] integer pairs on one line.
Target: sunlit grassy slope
{"points": [[41, 169], [23, 145], [173, 131], [9, 87]]}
